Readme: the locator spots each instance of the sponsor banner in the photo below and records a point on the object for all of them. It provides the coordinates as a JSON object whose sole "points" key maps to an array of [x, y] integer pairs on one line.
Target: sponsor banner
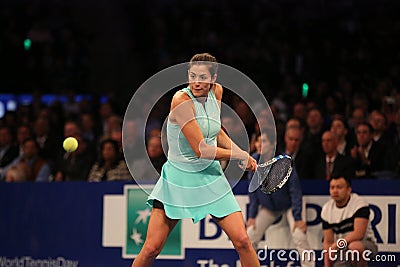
{"points": [[105, 224]]}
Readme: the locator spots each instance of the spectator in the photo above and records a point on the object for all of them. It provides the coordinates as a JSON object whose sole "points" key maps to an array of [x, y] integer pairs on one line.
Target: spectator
{"points": [[358, 116], [110, 166], [346, 217], [15, 174], [294, 123], [332, 163], [8, 151], [368, 155], [315, 127], [131, 139], [265, 209], [155, 152], [74, 166], [300, 111], [394, 151], [106, 110], [379, 124], [50, 144], [23, 132], [293, 147], [340, 129], [89, 130], [36, 169]]}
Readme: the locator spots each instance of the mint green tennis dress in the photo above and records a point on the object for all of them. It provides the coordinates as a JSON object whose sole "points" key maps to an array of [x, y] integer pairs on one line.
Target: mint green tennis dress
{"points": [[190, 187]]}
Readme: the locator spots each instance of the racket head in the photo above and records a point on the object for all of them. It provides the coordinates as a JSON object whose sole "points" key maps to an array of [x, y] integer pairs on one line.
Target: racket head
{"points": [[272, 175]]}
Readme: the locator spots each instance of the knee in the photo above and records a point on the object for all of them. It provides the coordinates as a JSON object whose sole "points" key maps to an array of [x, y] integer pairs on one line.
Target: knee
{"points": [[242, 242], [299, 237], [356, 245], [151, 250]]}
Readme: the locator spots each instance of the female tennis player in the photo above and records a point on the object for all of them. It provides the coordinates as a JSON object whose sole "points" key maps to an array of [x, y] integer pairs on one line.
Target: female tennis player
{"points": [[192, 183]]}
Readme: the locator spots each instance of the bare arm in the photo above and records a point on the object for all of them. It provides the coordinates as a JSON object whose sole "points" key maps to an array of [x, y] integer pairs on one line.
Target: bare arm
{"points": [[328, 241], [183, 113], [360, 227]]}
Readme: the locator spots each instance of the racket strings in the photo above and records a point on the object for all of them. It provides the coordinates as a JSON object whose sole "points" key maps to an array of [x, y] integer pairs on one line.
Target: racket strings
{"points": [[276, 175]]}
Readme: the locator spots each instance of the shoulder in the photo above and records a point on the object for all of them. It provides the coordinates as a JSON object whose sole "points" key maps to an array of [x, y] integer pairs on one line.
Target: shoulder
{"points": [[122, 164], [326, 209], [218, 91], [179, 98], [357, 202]]}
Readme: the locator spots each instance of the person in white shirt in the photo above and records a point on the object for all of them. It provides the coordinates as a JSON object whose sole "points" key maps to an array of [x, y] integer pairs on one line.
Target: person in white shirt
{"points": [[347, 227]]}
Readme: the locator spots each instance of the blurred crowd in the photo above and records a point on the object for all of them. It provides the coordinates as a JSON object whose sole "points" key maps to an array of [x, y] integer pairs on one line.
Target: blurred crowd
{"points": [[330, 69], [364, 145]]}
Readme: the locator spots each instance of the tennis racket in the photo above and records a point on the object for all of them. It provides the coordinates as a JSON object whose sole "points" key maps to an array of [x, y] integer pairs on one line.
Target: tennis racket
{"points": [[272, 175]]}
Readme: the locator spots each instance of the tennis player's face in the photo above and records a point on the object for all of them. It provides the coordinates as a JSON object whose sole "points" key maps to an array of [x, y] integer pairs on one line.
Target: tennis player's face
{"points": [[339, 191], [200, 79]]}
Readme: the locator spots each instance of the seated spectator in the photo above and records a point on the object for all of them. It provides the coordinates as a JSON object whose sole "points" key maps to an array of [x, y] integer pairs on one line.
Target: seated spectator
{"points": [[340, 129], [114, 123], [74, 166], [110, 166], [23, 132], [131, 139], [313, 133], [8, 151], [300, 111], [265, 209], [49, 143], [36, 169], [393, 162], [331, 162], [369, 155], [358, 116], [346, 217], [293, 147], [379, 124], [89, 130], [157, 157], [15, 174], [294, 122], [116, 135]]}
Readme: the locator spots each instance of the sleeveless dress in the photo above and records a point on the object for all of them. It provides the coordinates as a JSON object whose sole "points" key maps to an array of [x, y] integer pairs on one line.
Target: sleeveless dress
{"points": [[190, 187]]}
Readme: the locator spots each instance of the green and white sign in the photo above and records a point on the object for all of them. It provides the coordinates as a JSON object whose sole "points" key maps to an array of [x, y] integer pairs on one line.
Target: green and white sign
{"points": [[137, 219]]}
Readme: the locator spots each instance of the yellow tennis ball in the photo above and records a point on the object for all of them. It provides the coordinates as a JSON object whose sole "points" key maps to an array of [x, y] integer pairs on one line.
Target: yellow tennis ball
{"points": [[70, 144]]}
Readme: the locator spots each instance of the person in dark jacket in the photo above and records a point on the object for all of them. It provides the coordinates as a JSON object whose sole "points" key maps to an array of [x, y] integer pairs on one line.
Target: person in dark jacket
{"points": [[331, 163], [265, 209]]}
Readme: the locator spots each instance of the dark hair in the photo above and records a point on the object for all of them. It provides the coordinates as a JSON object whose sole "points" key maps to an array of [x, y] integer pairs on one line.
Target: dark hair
{"points": [[347, 179], [338, 117], [115, 146], [33, 140], [369, 126], [200, 59]]}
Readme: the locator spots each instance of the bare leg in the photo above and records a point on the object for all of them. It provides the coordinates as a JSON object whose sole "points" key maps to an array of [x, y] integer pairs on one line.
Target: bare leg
{"points": [[157, 232], [358, 246], [233, 225]]}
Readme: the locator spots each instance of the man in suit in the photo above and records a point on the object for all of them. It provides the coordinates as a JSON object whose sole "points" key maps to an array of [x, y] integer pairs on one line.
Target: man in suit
{"points": [[332, 163], [368, 154], [340, 129], [293, 147]]}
